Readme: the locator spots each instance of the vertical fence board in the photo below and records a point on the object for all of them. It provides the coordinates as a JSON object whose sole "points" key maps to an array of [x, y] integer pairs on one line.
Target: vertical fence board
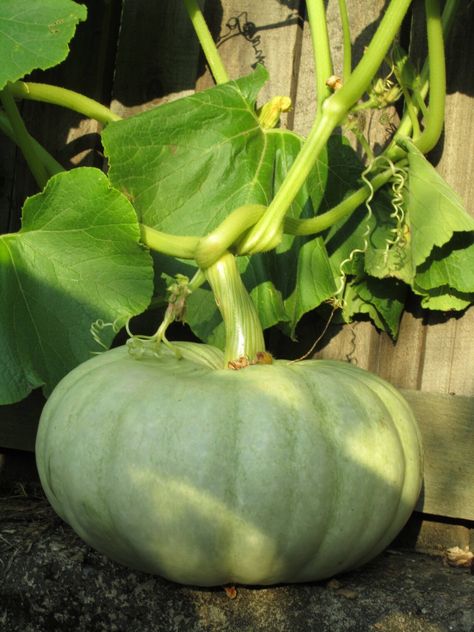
{"points": [[434, 352], [157, 55], [267, 33], [449, 347]]}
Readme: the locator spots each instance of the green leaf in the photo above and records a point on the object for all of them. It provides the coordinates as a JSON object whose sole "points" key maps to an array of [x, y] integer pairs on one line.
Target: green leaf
{"points": [[315, 281], [452, 266], [446, 300], [350, 234], [434, 211], [187, 164], [34, 34], [446, 280], [389, 252], [382, 300], [76, 260]]}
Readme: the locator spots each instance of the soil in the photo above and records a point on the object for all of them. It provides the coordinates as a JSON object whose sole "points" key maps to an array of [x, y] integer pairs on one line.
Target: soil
{"points": [[52, 581]]}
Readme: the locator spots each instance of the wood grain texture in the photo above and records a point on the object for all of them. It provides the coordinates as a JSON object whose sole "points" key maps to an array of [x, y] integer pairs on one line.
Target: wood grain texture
{"points": [[359, 342], [447, 427], [250, 33], [449, 340]]}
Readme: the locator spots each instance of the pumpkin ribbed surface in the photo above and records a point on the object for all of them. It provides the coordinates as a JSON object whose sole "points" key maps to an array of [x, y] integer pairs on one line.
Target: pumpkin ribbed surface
{"points": [[273, 473]]}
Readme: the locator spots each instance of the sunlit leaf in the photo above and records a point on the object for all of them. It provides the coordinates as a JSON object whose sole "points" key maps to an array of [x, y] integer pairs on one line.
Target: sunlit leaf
{"points": [[76, 260], [34, 34]]}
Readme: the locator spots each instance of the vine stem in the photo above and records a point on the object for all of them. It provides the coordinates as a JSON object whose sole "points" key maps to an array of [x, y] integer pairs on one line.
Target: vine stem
{"points": [[243, 331], [267, 233], [207, 42], [23, 138], [437, 78], [346, 40], [405, 127], [321, 48], [209, 249], [65, 98], [51, 165]]}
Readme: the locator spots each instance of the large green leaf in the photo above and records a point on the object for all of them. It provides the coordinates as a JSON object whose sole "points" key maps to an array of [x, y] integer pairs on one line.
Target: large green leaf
{"points": [[434, 210], [34, 34], [187, 164], [75, 261]]}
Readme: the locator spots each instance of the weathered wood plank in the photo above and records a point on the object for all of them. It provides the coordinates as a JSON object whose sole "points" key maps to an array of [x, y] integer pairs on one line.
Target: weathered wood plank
{"points": [[449, 345], [364, 18], [259, 33], [434, 352], [359, 342], [427, 535], [447, 427], [157, 56]]}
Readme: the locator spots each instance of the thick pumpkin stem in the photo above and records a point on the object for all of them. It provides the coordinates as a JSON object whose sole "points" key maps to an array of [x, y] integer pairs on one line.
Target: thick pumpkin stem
{"points": [[243, 331]]}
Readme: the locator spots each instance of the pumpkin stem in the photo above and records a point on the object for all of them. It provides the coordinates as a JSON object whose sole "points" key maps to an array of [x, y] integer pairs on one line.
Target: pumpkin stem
{"points": [[243, 331]]}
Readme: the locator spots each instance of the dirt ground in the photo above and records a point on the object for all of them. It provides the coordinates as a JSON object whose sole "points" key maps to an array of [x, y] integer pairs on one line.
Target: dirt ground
{"points": [[51, 581]]}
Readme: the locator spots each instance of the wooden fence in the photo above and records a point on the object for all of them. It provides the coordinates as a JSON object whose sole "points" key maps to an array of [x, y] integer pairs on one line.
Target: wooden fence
{"points": [[148, 54]]}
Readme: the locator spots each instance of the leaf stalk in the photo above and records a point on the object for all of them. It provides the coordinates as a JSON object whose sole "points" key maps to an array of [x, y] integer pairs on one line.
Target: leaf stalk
{"points": [[207, 42], [321, 48], [23, 138], [65, 98]]}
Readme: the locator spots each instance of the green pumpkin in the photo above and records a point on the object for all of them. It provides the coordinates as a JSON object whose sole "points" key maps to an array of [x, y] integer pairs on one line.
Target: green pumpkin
{"points": [[208, 476]]}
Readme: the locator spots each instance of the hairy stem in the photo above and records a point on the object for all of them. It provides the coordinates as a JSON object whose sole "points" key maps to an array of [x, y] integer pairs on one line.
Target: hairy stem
{"points": [[65, 98], [180, 246], [208, 249], [23, 139], [314, 225], [244, 335], [207, 43], [373, 57], [346, 39], [229, 231]]}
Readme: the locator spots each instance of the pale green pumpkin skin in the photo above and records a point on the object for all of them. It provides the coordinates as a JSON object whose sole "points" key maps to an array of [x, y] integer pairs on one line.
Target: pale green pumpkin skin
{"points": [[272, 473]]}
